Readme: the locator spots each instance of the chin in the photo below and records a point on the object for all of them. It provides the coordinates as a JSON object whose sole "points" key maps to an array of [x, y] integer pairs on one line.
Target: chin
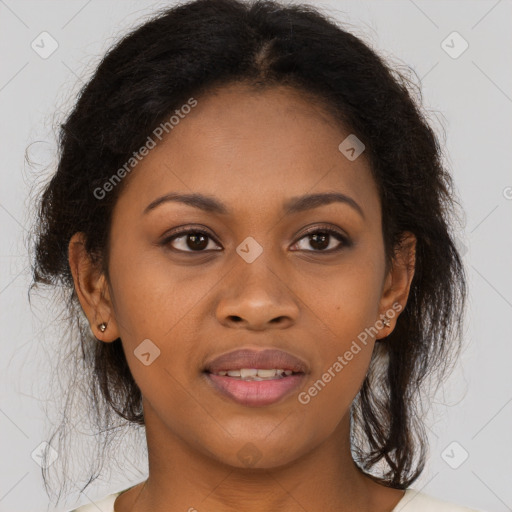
{"points": [[256, 454]]}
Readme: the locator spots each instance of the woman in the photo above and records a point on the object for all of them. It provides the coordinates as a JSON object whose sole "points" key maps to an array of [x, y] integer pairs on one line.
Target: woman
{"points": [[251, 218]]}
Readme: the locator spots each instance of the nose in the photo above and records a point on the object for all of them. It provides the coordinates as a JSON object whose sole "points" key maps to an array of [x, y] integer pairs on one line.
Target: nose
{"points": [[257, 298]]}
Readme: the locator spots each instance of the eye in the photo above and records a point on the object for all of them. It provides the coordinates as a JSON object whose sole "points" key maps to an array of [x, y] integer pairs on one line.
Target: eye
{"points": [[198, 240], [323, 239], [189, 240]]}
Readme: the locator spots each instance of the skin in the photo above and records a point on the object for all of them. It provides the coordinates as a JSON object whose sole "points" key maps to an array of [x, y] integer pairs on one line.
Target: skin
{"points": [[252, 150]]}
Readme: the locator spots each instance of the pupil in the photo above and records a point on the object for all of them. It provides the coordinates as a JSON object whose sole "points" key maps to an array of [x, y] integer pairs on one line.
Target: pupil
{"points": [[318, 240], [197, 241]]}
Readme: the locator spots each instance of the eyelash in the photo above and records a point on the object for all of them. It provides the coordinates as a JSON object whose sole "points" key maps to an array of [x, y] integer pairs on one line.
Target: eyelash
{"points": [[344, 241]]}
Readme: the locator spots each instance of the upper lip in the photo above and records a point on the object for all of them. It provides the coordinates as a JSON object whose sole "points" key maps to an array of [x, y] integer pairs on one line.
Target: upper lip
{"points": [[250, 358]]}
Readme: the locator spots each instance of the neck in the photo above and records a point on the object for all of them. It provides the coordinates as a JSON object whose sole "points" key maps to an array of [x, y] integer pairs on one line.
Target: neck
{"points": [[183, 478]]}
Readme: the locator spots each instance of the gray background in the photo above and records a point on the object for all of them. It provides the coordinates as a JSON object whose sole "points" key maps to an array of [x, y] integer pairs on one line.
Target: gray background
{"points": [[470, 97]]}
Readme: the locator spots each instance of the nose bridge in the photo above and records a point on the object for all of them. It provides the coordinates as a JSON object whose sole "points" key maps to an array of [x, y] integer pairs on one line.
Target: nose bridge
{"points": [[256, 257], [255, 292], [255, 274]]}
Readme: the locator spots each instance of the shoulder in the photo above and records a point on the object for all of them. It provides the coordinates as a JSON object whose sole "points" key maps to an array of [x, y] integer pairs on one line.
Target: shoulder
{"points": [[417, 501], [105, 504], [412, 501]]}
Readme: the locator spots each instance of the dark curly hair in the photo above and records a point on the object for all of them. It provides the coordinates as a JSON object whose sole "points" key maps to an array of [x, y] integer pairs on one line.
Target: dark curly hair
{"points": [[193, 48]]}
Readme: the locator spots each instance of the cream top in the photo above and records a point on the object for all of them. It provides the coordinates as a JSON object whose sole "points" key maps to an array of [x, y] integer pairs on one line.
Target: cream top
{"points": [[412, 501]]}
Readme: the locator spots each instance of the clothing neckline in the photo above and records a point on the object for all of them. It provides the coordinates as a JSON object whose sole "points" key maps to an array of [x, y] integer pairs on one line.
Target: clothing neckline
{"points": [[406, 495]]}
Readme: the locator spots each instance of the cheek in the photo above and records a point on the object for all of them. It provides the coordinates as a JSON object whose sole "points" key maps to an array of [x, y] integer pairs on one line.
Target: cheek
{"points": [[156, 306], [331, 389], [345, 310], [344, 299], [151, 295]]}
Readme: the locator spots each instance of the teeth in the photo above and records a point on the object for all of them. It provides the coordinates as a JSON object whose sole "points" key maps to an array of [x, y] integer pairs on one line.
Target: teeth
{"points": [[255, 373]]}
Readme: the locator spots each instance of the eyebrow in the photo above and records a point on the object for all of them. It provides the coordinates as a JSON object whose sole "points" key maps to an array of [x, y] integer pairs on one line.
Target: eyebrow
{"points": [[291, 206]]}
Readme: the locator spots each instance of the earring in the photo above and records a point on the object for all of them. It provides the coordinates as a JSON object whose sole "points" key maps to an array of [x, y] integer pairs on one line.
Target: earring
{"points": [[102, 327], [386, 321]]}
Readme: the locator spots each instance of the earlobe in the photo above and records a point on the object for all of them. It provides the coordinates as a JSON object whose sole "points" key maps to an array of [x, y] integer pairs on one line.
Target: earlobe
{"points": [[398, 283], [92, 290]]}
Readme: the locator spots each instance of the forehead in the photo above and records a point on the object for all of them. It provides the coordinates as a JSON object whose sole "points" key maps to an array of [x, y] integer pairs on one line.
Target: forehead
{"points": [[252, 148]]}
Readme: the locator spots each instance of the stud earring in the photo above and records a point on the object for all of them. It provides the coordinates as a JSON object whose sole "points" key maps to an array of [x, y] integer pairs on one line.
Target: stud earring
{"points": [[386, 321], [102, 327]]}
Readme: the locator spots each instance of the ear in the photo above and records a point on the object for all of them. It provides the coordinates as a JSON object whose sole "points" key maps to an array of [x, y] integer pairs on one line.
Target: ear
{"points": [[397, 284], [92, 289]]}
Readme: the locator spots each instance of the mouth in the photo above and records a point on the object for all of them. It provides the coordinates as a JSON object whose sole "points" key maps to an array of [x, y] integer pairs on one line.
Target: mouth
{"points": [[255, 378], [256, 374], [253, 387]]}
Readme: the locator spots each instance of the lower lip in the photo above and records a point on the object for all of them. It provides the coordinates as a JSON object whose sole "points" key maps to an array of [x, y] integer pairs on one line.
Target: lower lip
{"points": [[256, 393]]}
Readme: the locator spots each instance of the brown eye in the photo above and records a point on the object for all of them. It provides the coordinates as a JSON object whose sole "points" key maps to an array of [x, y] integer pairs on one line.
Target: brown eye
{"points": [[324, 240], [189, 241]]}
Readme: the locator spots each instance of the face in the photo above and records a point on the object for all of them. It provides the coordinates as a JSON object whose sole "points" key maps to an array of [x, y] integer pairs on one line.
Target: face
{"points": [[188, 284]]}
